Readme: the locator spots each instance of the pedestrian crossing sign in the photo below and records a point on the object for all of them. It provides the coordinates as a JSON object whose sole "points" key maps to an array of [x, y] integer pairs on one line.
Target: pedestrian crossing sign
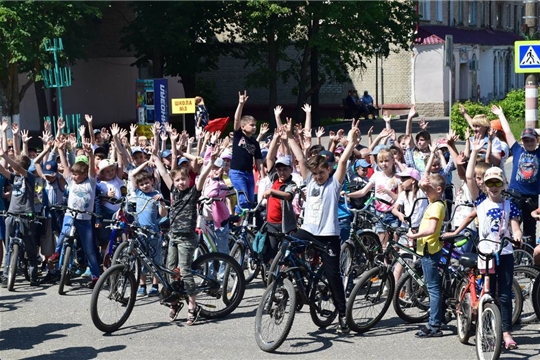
{"points": [[527, 56]]}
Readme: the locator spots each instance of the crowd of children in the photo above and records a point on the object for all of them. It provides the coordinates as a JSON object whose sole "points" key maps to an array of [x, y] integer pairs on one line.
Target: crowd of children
{"points": [[289, 173]]}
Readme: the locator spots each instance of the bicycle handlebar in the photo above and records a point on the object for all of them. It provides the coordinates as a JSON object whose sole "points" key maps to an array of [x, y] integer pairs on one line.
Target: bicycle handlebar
{"points": [[76, 211]]}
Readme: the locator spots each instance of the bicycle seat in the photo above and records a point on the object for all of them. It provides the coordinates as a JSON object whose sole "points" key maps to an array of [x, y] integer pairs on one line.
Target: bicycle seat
{"points": [[468, 260]]}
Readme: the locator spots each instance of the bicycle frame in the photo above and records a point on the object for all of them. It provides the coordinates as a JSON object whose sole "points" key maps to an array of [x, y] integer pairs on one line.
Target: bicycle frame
{"points": [[71, 241]]}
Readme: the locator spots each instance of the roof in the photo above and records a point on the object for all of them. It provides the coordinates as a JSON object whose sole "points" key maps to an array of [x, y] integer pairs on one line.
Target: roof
{"points": [[435, 34]]}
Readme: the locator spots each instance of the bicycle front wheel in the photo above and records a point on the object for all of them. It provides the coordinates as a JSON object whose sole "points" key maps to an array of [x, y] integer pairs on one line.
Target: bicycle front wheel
{"points": [[411, 301], [275, 315], [522, 258], [535, 296], [489, 335], [65, 271], [113, 298], [121, 256], [370, 299], [219, 283], [270, 275], [517, 301], [13, 260]]}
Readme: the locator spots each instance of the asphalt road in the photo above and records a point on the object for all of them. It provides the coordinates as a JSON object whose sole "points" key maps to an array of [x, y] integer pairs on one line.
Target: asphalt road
{"points": [[37, 323]]}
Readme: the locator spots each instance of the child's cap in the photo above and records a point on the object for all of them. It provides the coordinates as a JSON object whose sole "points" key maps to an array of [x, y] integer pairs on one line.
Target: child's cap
{"points": [[284, 160], [105, 163], [100, 150], [494, 173], [328, 155], [410, 172], [182, 160], [496, 124], [50, 168], [361, 163], [82, 158], [97, 131], [442, 143], [378, 149], [137, 149], [339, 150], [165, 153], [226, 155], [219, 163], [529, 133]]}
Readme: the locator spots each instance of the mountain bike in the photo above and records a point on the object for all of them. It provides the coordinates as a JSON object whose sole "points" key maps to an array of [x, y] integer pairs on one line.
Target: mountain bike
{"points": [[295, 282], [113, 297], [16, 257], [68, 252]]}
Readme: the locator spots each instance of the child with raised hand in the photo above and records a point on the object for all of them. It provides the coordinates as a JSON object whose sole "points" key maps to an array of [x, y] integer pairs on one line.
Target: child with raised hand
{"points": [[81, 180], [150, 209], [387, 186], [525, 179], [246, 150], [428, 245], [22, 202], [321, 221], [183, 218]]}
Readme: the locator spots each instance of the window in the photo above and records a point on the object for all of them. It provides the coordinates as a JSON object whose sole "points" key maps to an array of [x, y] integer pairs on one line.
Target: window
{"points": [[425, 9], [460, 12], [499, 15], [495, 76], [439, 10], [489, 13], [472, 13], [508, 15]]}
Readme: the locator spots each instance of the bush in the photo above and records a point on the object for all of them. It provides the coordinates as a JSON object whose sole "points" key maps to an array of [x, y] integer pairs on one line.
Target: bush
{"points": [[513, 106]]}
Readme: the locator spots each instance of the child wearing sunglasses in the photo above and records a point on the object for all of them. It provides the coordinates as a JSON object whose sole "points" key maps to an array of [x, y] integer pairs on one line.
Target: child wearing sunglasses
{"points": [[498, 218]]}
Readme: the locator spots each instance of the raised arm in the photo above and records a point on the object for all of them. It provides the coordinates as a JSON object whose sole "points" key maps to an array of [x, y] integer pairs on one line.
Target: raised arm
{"points": [[408, 127], [510, 139], [89, 119], [296, 150], [273, 148], [263, 130], [352, 142], [87, 147], [25, 139], [163, 172], [470, 176], [277, 116], [307, 110], [238, 114], [451, 138], [16, 145], [467, 117], [206, 169]]}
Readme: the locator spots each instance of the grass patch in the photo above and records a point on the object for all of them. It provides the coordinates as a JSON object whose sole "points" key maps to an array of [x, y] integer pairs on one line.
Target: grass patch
{"points": [[517, 128]]}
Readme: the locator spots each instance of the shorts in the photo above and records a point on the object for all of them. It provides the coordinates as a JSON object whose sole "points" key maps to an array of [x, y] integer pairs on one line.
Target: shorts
{"points": [[388, 218]]}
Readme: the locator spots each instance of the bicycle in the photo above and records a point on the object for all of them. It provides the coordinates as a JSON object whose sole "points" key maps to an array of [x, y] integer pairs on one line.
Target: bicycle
{"points": [[69, 246], [295, 283], [376, 288], [16, 256], [117, 287], [480, 307]]}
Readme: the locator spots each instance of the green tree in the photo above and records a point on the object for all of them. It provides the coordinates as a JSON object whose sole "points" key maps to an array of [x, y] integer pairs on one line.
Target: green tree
{"points": [[176, 38], [23, 27], [330, 38]]}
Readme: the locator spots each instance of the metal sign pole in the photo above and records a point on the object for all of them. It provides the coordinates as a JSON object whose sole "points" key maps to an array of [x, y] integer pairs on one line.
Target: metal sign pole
{"points": [[183, 121]]}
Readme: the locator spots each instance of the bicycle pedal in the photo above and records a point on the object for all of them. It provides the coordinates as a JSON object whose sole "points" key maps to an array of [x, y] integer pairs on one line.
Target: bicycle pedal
{"points": [[326, 313]]}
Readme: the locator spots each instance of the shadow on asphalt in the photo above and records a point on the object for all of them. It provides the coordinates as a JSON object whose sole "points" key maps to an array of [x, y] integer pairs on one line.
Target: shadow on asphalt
{"points": [[24, 338], [82, 352], [10, 302], [317, 341], [139, 328]]}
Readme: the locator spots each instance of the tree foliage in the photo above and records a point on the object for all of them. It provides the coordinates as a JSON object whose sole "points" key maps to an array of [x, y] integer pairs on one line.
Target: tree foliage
{"points": [[329, 38], [23, 27], [175, 38]]}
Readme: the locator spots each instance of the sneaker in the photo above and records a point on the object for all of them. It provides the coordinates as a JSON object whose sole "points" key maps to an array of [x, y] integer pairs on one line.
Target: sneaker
{"points": [[51, 278], [428, 332], [92, 283], [153, 291], [87, 273], [34, 282], [53, 259], [343, 327], [193, 315], [4, 282], [142, 291], [79, 271]]}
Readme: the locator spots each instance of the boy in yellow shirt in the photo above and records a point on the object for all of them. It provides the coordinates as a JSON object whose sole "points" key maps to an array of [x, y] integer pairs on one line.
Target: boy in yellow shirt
{"points": [[429, 246]]}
